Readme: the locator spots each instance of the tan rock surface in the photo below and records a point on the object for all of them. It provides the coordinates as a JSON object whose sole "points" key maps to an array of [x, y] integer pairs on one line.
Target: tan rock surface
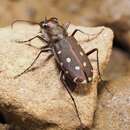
{"points": [[113, 112], [3, 127], [38, 99], [118, 66]]}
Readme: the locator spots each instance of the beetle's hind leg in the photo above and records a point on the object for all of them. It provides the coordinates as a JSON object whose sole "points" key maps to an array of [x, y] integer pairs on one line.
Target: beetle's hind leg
{"points": [[27, 69], [86, 77], [62, 78]]}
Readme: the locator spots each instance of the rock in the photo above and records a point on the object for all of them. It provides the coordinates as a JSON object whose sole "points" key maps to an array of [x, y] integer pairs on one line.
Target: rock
{"points": [[87, 13], [83, 12], [113, 112], [118, 66], [3, 127], [116, 17], [38, 99]]}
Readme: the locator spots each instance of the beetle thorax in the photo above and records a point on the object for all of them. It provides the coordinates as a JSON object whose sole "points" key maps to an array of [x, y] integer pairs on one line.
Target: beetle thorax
{"points": [[56, 33]]}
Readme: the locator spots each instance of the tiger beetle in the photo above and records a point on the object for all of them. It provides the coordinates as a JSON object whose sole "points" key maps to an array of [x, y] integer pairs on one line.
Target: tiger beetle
{"points": [[72, 61]]}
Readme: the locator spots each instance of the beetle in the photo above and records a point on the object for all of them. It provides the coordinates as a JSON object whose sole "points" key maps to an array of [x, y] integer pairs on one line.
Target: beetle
{"points": [[72, 61]]}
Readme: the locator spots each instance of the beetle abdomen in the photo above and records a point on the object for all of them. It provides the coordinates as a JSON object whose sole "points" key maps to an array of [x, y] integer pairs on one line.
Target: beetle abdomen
{"points": [[72, 59]]}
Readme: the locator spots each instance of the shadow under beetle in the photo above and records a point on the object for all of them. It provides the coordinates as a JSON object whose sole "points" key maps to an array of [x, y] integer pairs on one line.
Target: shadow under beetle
{"points": [[72, 61]]}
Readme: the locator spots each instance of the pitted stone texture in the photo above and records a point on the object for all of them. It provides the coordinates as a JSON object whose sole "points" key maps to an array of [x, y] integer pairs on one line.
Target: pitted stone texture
{"points": [[38, 99]]}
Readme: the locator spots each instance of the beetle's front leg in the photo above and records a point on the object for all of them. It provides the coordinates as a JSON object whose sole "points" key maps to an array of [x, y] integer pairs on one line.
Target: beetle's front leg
{"points": [[30, 22], [37, 36], [42, 39], [44, 50]]}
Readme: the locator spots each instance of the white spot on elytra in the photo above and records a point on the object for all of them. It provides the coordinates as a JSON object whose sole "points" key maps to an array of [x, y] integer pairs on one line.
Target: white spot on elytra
{"points": [[84, 82], [68, 59], [84, 64], [59, 52], [66, 72], [75, 79], [81, 53], [61, 63], [89, 78], [77, 67]]}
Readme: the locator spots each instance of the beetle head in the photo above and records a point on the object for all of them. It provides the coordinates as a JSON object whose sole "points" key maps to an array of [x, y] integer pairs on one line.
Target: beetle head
{"points": [[49, 24], [53, 29]]}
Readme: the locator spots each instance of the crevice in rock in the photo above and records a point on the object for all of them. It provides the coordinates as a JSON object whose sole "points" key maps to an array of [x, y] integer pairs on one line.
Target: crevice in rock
{"points": [[50, 125], [2, 118]]}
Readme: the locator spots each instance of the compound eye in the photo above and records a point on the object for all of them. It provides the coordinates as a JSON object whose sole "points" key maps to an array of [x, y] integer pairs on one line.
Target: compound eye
{"points": [[45, 25], [54, 19]]}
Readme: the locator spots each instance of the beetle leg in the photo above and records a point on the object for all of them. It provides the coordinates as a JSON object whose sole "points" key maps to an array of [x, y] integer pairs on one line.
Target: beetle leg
{"points": [[53, 18], [42, 39], [89, 39], [86, 77], [44, 50], [30, 22], [66, 25], [77, 30], [44, 47], [90, 52], [62, 78]]}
